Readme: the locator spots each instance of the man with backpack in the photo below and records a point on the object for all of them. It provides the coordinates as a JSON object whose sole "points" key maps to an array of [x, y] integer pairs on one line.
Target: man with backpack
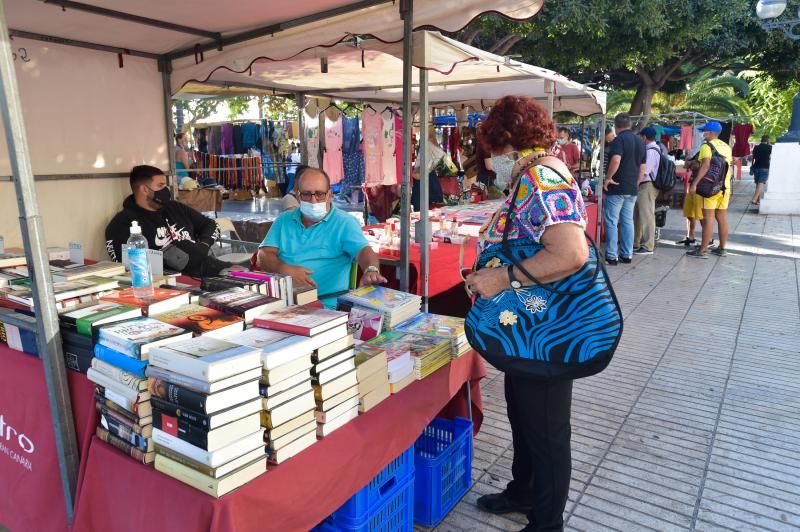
{"points": [[644, 212], [713, 183]]}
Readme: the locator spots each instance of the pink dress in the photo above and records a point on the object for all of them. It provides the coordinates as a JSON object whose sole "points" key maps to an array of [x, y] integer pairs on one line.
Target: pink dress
{"points": [[312, 140], [333, 162], [388, 156], [372, 133]]}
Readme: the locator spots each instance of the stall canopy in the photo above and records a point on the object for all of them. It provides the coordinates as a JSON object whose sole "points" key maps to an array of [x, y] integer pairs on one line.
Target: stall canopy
{"points": [[279, 27], [371, 71]]}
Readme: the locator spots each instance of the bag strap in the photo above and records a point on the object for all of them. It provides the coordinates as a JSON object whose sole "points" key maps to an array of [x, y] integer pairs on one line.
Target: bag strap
{"points": [[509, 219]]}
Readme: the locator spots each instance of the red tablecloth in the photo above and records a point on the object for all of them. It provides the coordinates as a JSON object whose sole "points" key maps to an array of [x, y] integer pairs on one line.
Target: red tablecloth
{"points": [[30, 490], [119, 494]]}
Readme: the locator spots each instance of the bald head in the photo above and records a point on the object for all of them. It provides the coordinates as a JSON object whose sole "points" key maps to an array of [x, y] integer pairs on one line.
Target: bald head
{"points": [[312, 179]]}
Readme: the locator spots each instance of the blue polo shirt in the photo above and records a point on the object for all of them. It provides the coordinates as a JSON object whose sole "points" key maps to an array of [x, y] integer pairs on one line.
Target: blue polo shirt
{"points": [[327, 248]]}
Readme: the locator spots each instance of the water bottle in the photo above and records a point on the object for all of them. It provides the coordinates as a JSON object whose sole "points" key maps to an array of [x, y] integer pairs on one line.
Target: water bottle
{"points": [[139, 261]]}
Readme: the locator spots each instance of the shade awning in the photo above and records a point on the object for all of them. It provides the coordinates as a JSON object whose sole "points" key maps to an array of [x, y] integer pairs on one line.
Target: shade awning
{"points": [[372, 71]]}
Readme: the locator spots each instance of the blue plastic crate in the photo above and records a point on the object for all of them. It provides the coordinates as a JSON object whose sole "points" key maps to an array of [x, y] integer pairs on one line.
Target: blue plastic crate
{"points": [[442, 467], [395, 513], [368, 498]]}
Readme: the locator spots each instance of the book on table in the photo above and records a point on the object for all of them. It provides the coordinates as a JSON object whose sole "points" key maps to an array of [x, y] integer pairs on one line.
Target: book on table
{"points": [[205, 358], [322, 377], [379, 379], [446, 327], [202, 320], [276, 375], [271, 400], [305, 320], [284, 384], [396, 306], [131, 450], [327, 428], [337, 399], [220, 284], [276, 441], [163, 300], [289, 410], [241, 302], [202, 386], [374, 398], [202, 402], [334, 360], [368, 360], [288, 451], [396, 387], [134, 366], [83, 319], [277, 348], [119, 375], [213, 472], [137, 336], [10, 259], [102, 269], [143, 418], [205, 421], [135, 401], [209, 440], [336, 386], [216, 487], [364, 324], [109, 417], [209, 458], [23, 294], [332, 413], [336, 345]]}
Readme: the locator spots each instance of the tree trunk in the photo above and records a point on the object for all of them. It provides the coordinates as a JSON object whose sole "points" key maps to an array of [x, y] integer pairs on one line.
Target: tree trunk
{"points": [[642, 103]]}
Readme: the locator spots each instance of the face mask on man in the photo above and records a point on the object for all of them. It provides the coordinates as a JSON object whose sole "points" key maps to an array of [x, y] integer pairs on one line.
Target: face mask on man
{"points": [[314, 211], [162, 197], [561, 142]]}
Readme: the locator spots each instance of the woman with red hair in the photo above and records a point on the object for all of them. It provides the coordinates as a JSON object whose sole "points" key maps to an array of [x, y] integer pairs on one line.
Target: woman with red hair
{"points": [[546, 208]]}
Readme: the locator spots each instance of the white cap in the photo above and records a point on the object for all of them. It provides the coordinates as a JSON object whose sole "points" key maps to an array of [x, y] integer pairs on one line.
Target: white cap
{"points": [[135, 229]]}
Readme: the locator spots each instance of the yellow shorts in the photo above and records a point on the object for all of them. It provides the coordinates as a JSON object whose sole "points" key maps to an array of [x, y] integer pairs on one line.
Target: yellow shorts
{"points": [[693, 206], [717, 201]]}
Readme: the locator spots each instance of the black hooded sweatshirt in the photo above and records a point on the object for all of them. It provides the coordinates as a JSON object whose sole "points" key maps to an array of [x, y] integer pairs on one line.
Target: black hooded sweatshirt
{"points": [[175, 222]]}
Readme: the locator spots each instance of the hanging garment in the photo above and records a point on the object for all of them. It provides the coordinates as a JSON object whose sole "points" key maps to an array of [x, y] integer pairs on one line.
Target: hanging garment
{"points": [[373, 147], [353, 158], [381, 201], [398, 147], [250, 136], [333, 163], [238, 145], [725, 135], [226, 139], [215, 140], [389, 165], [687, 139], [311, 136], [659, 131], [742, 132]]}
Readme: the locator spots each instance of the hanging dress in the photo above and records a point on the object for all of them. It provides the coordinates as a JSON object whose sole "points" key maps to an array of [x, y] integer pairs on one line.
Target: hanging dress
{"points": [[332, 162]]}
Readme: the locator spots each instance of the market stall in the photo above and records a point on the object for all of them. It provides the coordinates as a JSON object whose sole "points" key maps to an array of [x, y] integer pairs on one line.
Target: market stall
{"points": [[145, 38]]}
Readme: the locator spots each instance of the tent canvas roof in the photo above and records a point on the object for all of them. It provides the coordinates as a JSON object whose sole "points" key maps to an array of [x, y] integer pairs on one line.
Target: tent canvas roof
{"points": [[373, 72]]}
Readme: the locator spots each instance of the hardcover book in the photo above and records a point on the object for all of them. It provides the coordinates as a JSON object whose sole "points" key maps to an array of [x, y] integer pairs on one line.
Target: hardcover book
{"points": [[209, 440], [204, 358], [163, 300], [200, 402], [136, 337], [277, 348], [63, 290], [200, 386], [305, 320], [203, 320], [205, 421], [241, 302], [101, 269], [83, 319], [124, 362], [125, 447]]}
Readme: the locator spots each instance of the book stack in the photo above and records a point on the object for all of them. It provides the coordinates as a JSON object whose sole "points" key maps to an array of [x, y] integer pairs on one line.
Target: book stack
{"points": [[10, 259], [77, 332], [428, 353], [203, 321], [287, 399], [395, 306], [68, 294], [207, 413], [398, 360], [372, 373], [98, 269], [17, 338], [332, 363], [221, 283], [163, 300], [438, 326], [122, 397], [280, 286], [241, 302]]}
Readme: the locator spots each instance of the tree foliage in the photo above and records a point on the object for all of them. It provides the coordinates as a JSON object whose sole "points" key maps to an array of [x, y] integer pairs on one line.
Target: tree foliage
{"points": [[771, 102], [644, 46]]}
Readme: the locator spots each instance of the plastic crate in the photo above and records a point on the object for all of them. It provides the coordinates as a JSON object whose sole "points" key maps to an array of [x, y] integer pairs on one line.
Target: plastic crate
{"points": [[394, 513], [443, 468]]}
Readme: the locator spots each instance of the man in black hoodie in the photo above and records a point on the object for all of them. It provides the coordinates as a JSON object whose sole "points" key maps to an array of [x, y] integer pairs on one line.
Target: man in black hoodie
{"points": [[165, 223]]}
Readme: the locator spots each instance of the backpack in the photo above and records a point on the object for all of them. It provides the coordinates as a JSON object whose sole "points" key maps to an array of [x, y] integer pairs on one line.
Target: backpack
{"points": [[665, 176], [714, 181]]}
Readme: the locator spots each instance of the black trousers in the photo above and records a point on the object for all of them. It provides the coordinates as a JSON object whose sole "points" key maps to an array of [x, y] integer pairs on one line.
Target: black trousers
{"points": [[539, 412]]}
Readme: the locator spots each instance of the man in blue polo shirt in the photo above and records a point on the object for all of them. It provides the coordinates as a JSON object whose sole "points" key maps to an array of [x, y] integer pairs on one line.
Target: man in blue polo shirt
{"points": [[317, 243]]}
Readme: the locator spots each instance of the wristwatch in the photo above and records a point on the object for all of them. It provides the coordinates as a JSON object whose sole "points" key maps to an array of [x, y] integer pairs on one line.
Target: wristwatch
{"points": [[516, 285], [372, 269]]}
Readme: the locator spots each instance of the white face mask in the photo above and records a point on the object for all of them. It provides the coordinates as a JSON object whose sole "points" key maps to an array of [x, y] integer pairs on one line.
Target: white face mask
{"points": [[503, 166], [314, 211]]}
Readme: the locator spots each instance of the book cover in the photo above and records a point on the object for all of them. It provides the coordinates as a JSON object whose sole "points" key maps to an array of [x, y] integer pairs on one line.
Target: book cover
{"points": [[369, 359], [122, 377], [76, 358], [124, 362], [10, 259], [202, 320], [125, 417], [163, 299], [381, 298], [277, 348], [209, 440], [206, 358], [84, 318], [125, 432], [394, 342], [131, 336], [101, 269], [64, 290], [305, 320], [200, 386], [201, 402], [426, 324], [205, 421], [364, 324]]}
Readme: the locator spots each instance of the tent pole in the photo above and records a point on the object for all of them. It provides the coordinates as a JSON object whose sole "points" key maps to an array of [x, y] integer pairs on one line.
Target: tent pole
{"points": [[301, 124], [407, 12], [599, 186], [165, 67], [580, 154], [48, 337], [423, 232], [549, 89]]}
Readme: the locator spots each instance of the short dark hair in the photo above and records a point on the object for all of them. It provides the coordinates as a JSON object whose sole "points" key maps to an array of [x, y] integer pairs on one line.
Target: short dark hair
{"points": [[563, 129], [179, 136], [622, 121], [143, 173], [765, 138], [307, 169]]}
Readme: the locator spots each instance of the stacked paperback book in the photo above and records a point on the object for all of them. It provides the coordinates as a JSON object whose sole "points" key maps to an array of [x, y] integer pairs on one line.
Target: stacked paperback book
{"points": [[122, 397], [241, 302], [438, 326], [400, 367], [428, 353], [395, 306], [332, 364], [287, 399], [207, 413], [372, 373]]}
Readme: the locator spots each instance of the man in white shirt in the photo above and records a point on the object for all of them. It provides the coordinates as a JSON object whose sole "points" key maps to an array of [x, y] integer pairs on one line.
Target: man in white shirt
{"points": [[644, 231]]}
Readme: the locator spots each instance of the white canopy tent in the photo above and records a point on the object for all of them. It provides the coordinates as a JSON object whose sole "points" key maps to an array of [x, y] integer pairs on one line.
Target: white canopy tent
{"points": [[204, 32]]}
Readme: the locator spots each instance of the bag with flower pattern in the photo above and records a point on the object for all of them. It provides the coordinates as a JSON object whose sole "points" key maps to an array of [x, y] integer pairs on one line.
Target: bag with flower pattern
{"points": [[567, 329]]}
